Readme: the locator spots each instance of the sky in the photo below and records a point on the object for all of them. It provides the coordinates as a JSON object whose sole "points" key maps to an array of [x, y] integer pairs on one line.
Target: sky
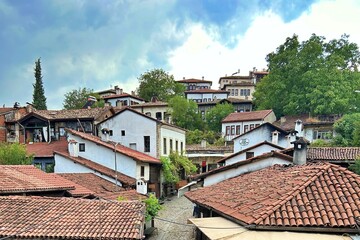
{"points": [[99, 44]]}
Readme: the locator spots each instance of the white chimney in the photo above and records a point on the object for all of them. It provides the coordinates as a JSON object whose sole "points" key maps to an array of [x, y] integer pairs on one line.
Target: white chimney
{"points": [[119, 91], [275, 137], [202, 77], [299, 128], [73, 148], [105, 134], [300, 151], [203, 143]]}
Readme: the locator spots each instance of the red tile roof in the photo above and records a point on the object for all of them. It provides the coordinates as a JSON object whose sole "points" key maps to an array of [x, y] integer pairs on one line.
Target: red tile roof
{"points": [[67, 218], [101, 187], [27, 178], [288, 122], [246, 116], [79, 191], [43, 149], [320, 195], [193, 80], [123, 95], [124, 179], [136, 155], [204, 90], [333, 154]]}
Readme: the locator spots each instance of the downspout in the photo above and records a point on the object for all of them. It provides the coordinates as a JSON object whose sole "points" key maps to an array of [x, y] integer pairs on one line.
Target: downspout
{"points": [[49, 137]]}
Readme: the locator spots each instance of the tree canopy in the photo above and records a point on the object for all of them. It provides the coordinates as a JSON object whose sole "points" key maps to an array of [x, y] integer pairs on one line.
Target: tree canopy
{"points": [[216, 114], [347, 131], [184, 113], [14, 154], [158, 83], [39, 99], [313, 76], [75, 99]]}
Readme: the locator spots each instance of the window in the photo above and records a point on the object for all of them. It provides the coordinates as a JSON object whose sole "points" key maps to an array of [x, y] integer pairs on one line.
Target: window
{"points": [[146, 143], [227, 131], [122, 132], [251, 126], [110, 132], [132, 146], [237, 129], [233, 130], [158, 115], [176, 145], [247, 92], [205, 100], [142, 171], [232, 92], [249, 155], [246, 128], [236, 92], [82, 147], [164, 146], [242, 92], [181, 147], [171, 145]]}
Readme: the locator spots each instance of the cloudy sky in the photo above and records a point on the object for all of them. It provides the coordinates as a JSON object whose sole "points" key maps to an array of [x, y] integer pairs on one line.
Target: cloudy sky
{"points": [[102, 43]]}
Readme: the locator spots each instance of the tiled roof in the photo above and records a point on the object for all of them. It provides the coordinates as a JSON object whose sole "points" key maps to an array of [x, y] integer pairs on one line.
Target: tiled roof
{"points": [[241, 163], [288, 122], [204, 90], [246, 116], [193, 80], [250, 84], [198, 147], [123, 95], [320, 195], [250, 148], [43, 149], [27, 178], [67, 218], [333, 154], [265, 124], [139, 156], [79, 191], [124, 179], [5, 110], [101, 187], [150, 104]]}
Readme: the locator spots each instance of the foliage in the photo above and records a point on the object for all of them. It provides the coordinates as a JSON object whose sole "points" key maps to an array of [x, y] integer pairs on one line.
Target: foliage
{"points": [[14, 154], [152, 207], [76, 99], [160, 84], [321, 143], [347, 130], [39, 99], [216, 114], [313, 76], [173, 164], [185, 113], [196, 136]]}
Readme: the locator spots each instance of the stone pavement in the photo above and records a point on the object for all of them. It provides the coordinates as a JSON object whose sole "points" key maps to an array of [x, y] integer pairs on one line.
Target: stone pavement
{"points": [[175, 210]]}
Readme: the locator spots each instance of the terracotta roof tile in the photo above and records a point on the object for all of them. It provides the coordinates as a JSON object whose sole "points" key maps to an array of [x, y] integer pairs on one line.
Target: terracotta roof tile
{"points": [[320, 195], [193, 80], [46, 218], [101, 187], [139, 156], [43, 149], [123, 95], [79, 191], [333, 154], [204, 90], [27, 178], [246, 116], [124, 179]]}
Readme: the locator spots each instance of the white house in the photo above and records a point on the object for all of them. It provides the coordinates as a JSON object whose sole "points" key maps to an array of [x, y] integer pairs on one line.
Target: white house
{"points": [[238, 123], [155, 109], [122, 99], [143, 168], [194, 84], [142, 133], [206, 95]]}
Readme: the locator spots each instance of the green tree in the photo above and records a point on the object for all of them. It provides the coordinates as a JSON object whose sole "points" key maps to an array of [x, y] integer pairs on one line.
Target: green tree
{"points": [[174, 164], [355, 167], [75, 99], [347, 130], [14, 154], [216, 114], [313, 76], [39, 99], [184, 113], [158, 83], [196, 136]]}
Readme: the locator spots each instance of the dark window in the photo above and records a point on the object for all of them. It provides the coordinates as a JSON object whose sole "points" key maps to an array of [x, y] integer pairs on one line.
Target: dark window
{"points": [[82, 147], [237, 129], [251, 126], [111, 132], [249, 155], [171, 145], [164, 146], [227, 130], [122, 132], [158, 115], [176, 145], [233, 130], [142, 171], [146, 143], [246, 128], [181, 147]]}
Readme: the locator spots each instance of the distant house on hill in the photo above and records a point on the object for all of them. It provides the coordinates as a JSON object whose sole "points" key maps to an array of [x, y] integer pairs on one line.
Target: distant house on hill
{"points": [[195, 84]]}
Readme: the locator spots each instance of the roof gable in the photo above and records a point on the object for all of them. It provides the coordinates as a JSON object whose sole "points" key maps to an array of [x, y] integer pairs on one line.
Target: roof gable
{"points": [[246, 116], [266, 124]]}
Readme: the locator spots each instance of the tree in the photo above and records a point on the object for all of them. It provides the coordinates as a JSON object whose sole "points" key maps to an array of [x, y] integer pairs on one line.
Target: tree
{"points": [[314, 76], [75, 99], [172, 166], [14, 154], [39, 99], [184, 113], [158, 83], [216, 114], [347, 130]]}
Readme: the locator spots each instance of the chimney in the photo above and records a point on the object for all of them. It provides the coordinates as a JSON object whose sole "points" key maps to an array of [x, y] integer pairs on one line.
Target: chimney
{"points": [[118, 90], [183, 78], [282, 120], [203, 143], [299, 128], [72, 147], [275, 137], [105, 134], [202, 77], [300, 151]]}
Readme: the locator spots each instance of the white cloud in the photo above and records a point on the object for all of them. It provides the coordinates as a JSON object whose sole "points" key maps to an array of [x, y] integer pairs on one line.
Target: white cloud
{"points": [[202, 54]]}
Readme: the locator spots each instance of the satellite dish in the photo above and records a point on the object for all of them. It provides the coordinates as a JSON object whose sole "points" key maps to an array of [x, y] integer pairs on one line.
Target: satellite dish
{"points": [[244, 141]]}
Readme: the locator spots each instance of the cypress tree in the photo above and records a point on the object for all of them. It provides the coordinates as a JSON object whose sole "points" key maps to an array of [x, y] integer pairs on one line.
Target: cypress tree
{"points": [[39, 99]]}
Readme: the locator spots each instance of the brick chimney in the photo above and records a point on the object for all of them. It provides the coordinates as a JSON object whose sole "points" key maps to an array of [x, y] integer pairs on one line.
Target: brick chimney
{"points": [[300, 151]]}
